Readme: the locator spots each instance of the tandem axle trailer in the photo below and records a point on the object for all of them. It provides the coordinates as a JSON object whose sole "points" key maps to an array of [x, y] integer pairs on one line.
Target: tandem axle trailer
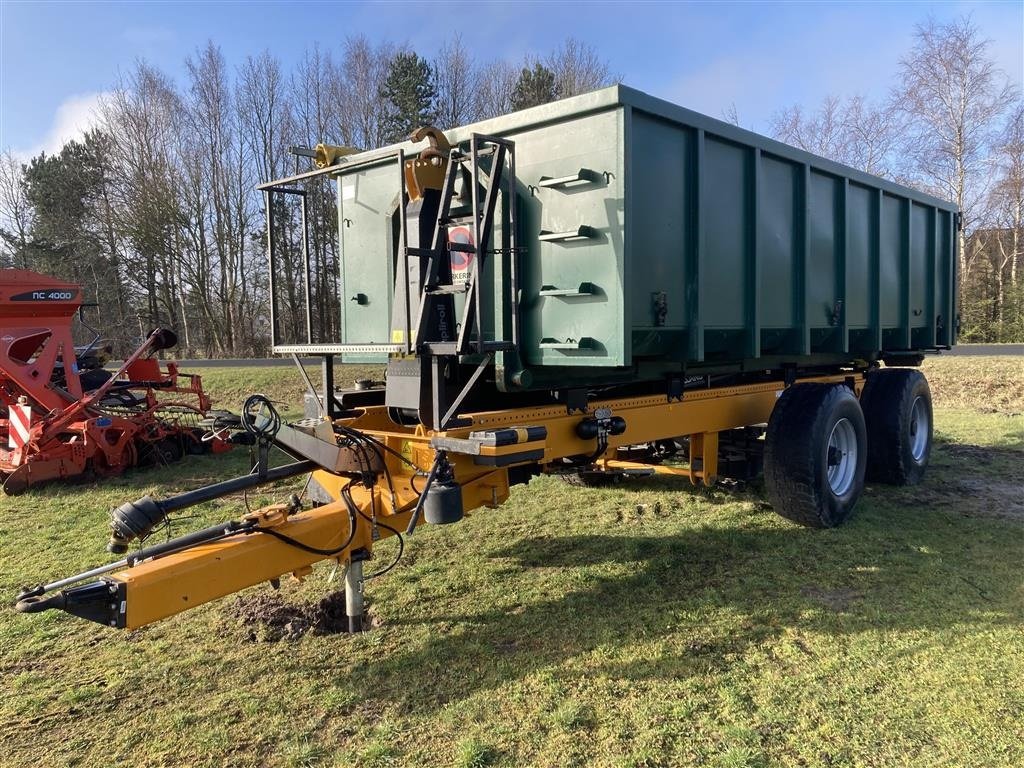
{"points": [[483, 393]]}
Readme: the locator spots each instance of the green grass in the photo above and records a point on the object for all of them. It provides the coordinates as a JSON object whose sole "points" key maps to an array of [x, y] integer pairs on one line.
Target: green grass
{"points": [[651, 625]]}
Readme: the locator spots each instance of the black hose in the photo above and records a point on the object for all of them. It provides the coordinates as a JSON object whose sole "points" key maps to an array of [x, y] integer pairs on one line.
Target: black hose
{"points": [[378, 443], [438, 459], [190, 540], [352, 511], [398, 556], [273, 425]]}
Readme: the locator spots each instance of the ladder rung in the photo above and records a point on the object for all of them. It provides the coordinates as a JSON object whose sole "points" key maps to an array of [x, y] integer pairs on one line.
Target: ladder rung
{"points": [[452, 348], [447, 290], [423, 253]]}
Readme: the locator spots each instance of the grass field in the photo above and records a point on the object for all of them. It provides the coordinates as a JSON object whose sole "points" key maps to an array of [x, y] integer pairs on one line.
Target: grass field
{"points": [[648, 625]]}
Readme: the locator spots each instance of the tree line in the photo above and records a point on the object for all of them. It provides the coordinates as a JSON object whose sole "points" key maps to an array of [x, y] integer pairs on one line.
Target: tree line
{"points": [[952, 126], [155, 210]]}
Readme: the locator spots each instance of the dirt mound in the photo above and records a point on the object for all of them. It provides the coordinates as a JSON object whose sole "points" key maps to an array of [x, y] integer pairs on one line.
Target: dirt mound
{"points": [[269, 618]]}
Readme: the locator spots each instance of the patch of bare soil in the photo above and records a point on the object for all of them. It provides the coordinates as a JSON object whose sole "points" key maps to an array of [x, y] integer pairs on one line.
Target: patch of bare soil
{"points": [[973, 497], [834, 599], [996, 492], [979, 454], [269, 618], [996, 498]]}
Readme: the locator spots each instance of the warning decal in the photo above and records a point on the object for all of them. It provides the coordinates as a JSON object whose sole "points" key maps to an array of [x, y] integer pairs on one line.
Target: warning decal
{"points": [[460, 259]]}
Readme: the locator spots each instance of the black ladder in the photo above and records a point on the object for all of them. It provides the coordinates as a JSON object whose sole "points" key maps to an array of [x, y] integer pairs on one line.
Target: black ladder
{"points": [[438, 281]]}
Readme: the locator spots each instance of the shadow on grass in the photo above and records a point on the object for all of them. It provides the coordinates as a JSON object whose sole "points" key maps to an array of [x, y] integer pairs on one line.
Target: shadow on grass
{"points": [[702, 597]]}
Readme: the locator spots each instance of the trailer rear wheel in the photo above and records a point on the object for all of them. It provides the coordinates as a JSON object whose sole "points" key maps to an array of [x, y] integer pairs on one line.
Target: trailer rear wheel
{"points": [[815, 454], [897, 407]]}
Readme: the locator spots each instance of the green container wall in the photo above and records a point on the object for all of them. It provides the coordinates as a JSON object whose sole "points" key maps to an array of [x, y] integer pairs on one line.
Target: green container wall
{"points": [[755, 250]]}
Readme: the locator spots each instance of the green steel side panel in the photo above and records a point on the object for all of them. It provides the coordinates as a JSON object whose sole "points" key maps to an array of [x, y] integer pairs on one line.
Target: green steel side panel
{"points": [[944, 278], [659, 194], [823, 273], [595, 143], [727, 228], [892, 247], [860, 244], [922, 243], [777, 243]]}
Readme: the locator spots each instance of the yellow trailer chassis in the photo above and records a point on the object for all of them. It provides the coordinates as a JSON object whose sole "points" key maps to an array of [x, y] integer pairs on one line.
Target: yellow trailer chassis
{"points": [[286, 539]]}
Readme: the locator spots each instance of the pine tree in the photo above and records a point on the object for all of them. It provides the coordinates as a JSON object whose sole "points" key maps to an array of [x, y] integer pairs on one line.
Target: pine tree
{"points": [[61, 189], [409, 93], [535, 86]]}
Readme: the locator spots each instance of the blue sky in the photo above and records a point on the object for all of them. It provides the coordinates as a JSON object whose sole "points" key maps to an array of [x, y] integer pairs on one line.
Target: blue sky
{"points": [[56, 57]]}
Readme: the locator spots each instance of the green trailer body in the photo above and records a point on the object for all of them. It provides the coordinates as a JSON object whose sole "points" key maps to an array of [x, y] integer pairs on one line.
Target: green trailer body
{"points": [[653, 240]]}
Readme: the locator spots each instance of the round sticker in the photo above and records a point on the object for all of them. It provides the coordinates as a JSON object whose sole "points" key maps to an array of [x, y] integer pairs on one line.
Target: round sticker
{"points": [[460, 259]]}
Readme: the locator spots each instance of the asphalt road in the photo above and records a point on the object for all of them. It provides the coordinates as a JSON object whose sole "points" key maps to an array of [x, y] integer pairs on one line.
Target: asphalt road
{"points": [[986, 350], [249, 362]]}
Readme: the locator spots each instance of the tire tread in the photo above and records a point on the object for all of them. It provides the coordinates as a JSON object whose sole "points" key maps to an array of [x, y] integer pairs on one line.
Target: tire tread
{"points": [[789, 463], [885, 403]]}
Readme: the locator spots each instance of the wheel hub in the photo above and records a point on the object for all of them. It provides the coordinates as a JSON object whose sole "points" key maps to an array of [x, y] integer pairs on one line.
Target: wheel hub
{"points": [[842, 457], [918, 429]]}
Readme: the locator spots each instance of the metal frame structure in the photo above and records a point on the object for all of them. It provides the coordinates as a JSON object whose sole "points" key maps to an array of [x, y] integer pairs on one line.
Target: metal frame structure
{"points": [[500, 180]]}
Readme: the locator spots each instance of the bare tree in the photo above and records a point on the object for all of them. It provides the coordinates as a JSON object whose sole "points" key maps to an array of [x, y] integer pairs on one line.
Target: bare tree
{"points": [[15, 213], [214, 121], [364, 68], [264, 114], [455, 78], [319, 93], [951, 96], [1006, 201], [578, 68], [821, 132], [495, 86], [869, 136], [731, 115], [854, 132], [141, 117]]}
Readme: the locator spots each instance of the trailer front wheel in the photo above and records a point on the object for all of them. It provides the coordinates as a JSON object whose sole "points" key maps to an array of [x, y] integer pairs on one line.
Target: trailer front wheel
{"points": [[815, 454]]}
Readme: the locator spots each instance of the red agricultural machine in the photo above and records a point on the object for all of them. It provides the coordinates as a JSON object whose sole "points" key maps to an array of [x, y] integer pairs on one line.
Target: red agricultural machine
{"points": [[62, 415]]}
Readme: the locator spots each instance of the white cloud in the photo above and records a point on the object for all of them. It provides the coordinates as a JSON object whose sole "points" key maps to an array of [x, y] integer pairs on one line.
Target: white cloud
{"points": [[73, 117]]}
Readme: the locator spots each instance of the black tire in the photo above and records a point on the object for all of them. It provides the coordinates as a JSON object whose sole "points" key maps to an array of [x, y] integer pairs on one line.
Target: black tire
{"points": [[169, 450], [798, 457], [93, 379], [194, 443], [896, 403]]}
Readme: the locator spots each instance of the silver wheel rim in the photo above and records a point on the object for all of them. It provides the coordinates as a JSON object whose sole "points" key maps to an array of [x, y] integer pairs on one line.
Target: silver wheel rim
{"points": [[842, 457], [918, 429]]}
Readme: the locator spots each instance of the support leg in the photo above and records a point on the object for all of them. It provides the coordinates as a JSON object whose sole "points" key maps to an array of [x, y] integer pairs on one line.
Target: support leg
{"points": [[704, 458], [354, 595]]}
